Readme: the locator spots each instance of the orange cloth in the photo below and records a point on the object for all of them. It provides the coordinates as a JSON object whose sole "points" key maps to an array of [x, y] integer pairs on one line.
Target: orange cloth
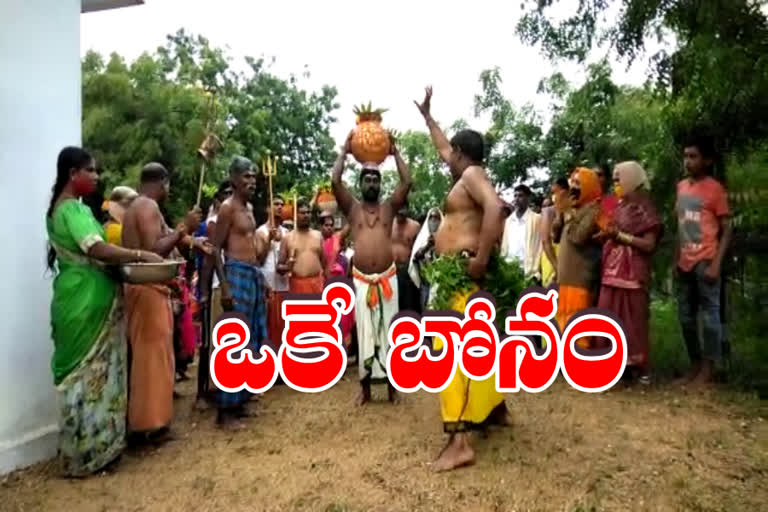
{"points": [[571, 300], [275, 321], [373, 286], [312, 284], [150, 333], [590, 185]]}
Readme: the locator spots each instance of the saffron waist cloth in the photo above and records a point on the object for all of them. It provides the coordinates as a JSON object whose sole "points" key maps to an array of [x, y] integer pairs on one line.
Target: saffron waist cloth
{"points": [[150, 333], [409, 296], [376, 302], [275, 321], [246, 284], [309, 285]]}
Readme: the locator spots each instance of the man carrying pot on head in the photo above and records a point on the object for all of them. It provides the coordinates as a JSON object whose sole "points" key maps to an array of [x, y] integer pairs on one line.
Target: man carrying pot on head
{"points": [[374, 270]]}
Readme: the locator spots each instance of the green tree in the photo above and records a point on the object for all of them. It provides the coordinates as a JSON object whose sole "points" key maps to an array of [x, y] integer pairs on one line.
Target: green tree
{"points": [[714, 79], [514, 138], [157, 108]]}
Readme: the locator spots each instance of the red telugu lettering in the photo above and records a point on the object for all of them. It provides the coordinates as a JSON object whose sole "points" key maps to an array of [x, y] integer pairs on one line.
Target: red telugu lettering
{"points": [[518, 363], [312, 327], [233, 373], [593, 374], [479, 339], [410, 373]]}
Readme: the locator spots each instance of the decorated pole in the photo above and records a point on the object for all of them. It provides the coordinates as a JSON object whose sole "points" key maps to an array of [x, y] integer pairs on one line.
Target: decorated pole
{"points": [[269, 169]]}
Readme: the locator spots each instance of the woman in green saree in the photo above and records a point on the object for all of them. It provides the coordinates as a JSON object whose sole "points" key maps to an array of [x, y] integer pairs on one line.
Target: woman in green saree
{"points": [[89, 359]]}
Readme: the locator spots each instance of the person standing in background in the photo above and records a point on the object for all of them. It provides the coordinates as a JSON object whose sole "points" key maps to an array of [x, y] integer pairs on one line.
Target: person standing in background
{"points": [[704, 230], [276, 283], [338, 265], [629, 241], [578, 259], [301, 254], [404, 232], [548, 247], [520, 241], [119, 201]]}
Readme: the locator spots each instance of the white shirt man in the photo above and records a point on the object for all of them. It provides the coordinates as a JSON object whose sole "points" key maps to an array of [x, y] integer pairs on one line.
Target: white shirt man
{"points": [[521, 241]]}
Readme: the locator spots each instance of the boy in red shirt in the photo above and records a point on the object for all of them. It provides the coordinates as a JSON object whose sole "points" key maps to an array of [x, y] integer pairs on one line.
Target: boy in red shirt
{"points": [[704, 232]]}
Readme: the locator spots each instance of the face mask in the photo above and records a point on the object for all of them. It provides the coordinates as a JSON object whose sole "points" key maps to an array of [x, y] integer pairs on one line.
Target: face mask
{"points": [[618, 190], [83, 185]]}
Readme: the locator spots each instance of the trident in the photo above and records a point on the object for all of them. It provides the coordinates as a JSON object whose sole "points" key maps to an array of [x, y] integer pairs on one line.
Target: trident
{"points": [[269, 169]]}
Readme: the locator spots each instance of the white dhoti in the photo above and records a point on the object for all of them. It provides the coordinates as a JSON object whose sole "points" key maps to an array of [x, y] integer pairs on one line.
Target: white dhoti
{"points": [[376, 302]]}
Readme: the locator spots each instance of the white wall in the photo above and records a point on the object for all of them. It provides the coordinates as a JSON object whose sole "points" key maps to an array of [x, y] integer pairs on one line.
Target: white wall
{"points": [[39, 114]]}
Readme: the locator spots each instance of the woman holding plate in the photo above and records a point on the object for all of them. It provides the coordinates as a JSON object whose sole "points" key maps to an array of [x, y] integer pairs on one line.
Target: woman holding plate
{"points": [[89, 360]]}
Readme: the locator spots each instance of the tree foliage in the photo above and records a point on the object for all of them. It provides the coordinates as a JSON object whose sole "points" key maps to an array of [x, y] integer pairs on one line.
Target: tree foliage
{"points": [[157, 109], [713, 80], [514, 138]]}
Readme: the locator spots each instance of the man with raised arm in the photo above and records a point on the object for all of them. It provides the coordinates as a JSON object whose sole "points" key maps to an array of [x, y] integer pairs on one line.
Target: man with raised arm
{"points": [[374, 271], [472, 225], [242, 287]]}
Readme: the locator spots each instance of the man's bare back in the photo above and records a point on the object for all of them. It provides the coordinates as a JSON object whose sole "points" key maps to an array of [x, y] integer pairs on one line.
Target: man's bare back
{"points": [[305, 247], [403, 236], [241, 241], [143, 224]]}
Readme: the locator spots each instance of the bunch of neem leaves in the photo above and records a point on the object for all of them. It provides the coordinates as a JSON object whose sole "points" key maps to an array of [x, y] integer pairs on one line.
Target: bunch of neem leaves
{"points": [[505, 280]]}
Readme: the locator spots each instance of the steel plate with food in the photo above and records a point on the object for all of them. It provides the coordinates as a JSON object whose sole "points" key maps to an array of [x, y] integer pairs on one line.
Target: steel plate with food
{"points": [[146, 273]]}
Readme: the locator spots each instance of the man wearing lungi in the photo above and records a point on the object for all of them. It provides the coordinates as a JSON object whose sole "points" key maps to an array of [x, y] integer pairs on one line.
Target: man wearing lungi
{"points": [[242, 283], [374, 271]]}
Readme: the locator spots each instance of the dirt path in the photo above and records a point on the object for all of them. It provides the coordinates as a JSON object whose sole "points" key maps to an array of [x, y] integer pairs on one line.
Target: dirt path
{"points": [[623, 450]]}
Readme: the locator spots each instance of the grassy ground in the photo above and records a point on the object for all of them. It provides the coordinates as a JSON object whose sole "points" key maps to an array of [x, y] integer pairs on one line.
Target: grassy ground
{"points": [[628, 449]]}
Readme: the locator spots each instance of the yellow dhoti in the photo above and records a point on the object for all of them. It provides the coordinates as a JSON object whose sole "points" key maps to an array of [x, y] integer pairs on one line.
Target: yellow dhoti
{"points": [[466, 403], [547, 269]]}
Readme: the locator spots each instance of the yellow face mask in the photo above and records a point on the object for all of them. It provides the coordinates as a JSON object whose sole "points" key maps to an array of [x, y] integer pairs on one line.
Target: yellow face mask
{"points": [[618, 190]]}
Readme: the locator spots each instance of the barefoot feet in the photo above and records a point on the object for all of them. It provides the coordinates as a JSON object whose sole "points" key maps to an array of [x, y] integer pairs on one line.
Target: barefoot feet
{"points": [[456, 454]]}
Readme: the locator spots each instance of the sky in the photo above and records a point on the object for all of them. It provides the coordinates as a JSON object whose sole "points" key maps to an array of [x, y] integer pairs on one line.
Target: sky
{"points": [[381, 52]]}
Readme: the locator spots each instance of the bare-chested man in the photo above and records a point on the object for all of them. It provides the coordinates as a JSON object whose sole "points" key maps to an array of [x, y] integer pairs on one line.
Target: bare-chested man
{"points": [[301, 254], [404, 233], [241, 279], [472, 225], [374, 270], [148, 307]]}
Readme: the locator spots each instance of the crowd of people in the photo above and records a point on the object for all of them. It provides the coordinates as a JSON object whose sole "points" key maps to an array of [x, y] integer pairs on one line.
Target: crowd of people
{"points": [[119, 346]]}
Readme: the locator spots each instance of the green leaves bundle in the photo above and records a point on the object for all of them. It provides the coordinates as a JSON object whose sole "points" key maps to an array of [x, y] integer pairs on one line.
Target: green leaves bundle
{"points": [[505, 280]]}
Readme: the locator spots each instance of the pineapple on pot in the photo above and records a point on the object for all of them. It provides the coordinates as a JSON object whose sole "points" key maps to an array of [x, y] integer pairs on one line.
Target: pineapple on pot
{"points": [[370, 141]]}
